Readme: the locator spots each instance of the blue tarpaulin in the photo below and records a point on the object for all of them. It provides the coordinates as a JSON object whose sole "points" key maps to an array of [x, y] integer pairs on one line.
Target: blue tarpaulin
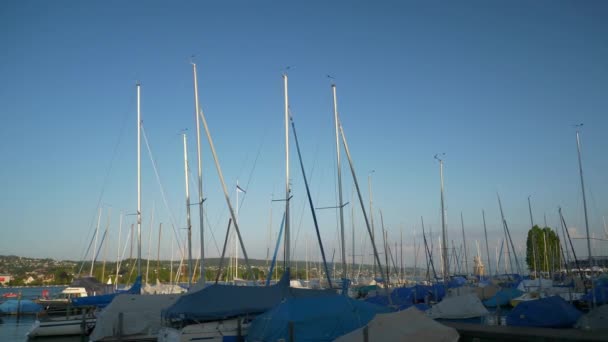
{"points": [[101, 301], [314, 319], [549, 312], [502, 297], [13, 306]]}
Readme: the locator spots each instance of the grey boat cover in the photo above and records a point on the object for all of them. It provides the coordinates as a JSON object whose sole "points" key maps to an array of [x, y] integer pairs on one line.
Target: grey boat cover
{"points": [[594, 320], [217, 301], [141, 316], [407, 325], [458, 307]]}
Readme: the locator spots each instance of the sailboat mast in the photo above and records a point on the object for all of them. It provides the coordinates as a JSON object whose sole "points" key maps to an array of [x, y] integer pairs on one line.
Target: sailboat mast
{"points": [[352, 222], [444, 233], [464, 242], [530, 209], [188, 223], [118, 250], [533, 235], [580, 168], [236, 245], [138, 86], [340, 205], [371, 213], [225, 191], [369, 231], [95, 246], [485, 232], [287, 189], [200, 175], [401, 271], [508, 236]]}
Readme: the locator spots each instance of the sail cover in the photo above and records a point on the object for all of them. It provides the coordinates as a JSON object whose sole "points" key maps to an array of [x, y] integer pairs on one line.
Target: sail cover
{"points": [[406, 325]]}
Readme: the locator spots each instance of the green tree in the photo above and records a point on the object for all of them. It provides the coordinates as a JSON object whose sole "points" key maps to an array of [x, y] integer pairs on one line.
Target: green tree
{"points": [[543, 251]]}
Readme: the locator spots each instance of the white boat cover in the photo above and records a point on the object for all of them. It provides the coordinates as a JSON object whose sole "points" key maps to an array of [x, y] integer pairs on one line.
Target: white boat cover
{"points": [[594, 320], [533, 284], [458, 307], [141, 315], [161, 288], [406, 325]]}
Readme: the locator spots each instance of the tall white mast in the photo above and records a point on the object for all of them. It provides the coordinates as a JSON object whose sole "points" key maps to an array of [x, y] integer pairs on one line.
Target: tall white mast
{"points": [[341, 207], [138, 179], [188, 223], [287, 189], [580, 168], [200, 176], [444, 233], [236, 242]]}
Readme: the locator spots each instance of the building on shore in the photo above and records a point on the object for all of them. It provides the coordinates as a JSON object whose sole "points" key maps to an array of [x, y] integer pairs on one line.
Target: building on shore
{"points": [[5, 279]]}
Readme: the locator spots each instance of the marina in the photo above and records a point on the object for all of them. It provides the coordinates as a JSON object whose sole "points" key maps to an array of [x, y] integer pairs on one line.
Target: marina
{"points": [[341, 171]]}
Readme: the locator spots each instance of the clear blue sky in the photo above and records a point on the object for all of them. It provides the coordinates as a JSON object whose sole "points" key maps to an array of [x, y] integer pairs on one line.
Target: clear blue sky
{"points": [[495, 85]]}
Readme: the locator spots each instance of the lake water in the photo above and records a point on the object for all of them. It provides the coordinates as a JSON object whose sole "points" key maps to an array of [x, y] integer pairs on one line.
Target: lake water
{"points": [[14, 328]]}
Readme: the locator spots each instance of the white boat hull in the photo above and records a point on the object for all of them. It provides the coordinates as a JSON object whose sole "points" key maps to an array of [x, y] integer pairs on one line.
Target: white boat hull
{"points": [[220, 331], [61, 326]]}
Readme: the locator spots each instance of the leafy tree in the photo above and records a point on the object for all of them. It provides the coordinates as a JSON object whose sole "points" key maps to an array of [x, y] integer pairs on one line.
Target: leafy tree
{"points": [[543, 251]]}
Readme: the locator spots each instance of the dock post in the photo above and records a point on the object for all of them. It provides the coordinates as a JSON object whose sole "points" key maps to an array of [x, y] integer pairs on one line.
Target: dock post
{"points": [[120, 323], [83, 324], [19, 305], [239, 328], [291, 332], [366, 333]]}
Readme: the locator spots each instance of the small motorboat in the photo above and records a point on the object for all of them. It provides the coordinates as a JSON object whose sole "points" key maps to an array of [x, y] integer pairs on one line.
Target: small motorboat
{"points": [[10, 295]]}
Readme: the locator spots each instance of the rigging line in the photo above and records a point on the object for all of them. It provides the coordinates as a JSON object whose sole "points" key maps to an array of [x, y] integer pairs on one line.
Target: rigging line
{"points": [[162, 189], [211, 231], [255, 162], [301, 220], [108, 171]]}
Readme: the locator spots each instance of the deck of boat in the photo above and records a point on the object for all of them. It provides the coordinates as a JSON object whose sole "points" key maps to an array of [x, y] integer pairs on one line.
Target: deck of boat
{"points": [[480, 333]]}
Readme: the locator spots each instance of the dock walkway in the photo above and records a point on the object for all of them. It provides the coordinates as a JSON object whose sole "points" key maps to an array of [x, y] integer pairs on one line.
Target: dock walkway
{"points": [[481, 333]]}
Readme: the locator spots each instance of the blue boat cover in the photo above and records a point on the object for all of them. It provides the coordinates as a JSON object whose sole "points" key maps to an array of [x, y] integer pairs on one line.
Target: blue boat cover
{"points": [[407, 296], [314, 319], [101, 301], [457, 282], [25, 307], [600, 292], [502, 297], [223, 301], [549, 312]]}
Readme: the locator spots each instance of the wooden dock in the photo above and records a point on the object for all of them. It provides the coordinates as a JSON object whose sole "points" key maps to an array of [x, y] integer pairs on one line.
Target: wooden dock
{"points": [[470, 332]]}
